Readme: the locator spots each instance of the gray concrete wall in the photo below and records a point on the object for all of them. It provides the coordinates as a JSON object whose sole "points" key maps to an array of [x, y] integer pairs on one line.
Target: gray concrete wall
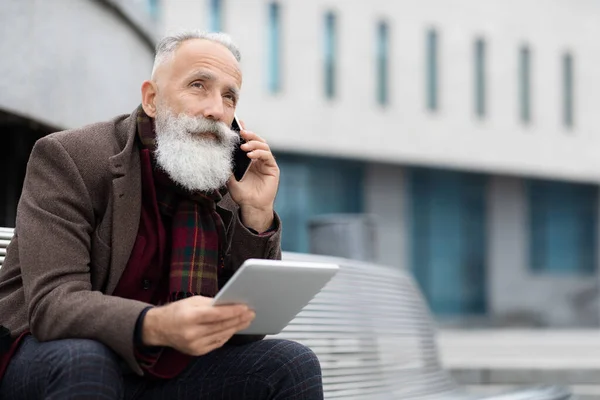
{"points": [[513, 288], [70, 62]]}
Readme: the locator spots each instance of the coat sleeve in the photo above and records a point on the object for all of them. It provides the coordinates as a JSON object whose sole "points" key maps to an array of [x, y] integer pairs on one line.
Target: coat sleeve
{"points": [[245, 244], [55, 221]]}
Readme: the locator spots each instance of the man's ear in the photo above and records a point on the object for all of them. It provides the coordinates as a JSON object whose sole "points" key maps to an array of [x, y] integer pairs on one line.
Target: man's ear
{"points": [[149, 91]]}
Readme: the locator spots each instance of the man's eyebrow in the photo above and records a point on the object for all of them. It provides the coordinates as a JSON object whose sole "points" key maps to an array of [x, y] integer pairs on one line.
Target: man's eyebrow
{"points": [[203, 76], [233, 90]]}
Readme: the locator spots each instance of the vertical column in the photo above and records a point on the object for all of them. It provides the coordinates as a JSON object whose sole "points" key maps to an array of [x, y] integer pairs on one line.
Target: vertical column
{"points": [[508, 244], [385, 198]]}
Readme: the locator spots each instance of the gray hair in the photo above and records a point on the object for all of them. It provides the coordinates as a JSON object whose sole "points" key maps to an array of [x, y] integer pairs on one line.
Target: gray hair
{"points": [[165, 49]]}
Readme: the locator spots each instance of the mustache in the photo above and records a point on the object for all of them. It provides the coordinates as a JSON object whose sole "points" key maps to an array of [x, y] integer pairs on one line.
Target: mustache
{"points": [[199, 125]]}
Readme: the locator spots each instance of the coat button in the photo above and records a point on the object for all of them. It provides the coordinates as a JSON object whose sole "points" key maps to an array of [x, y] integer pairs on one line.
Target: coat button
{"points": [[146, 284]]}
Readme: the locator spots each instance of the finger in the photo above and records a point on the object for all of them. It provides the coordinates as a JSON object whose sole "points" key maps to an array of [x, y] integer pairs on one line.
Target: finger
{"points": [[207, 343], [263, 155], [232, 182], [217, 339], [220, 313], [255, 145], [233, 323], [229, 323], [249, 135]]}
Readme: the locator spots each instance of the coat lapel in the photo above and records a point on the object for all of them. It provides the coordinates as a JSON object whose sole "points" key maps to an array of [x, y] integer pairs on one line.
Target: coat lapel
{"points": [[126, 200]]}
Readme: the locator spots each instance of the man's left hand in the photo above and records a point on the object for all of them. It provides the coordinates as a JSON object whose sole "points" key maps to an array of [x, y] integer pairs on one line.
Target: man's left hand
{"points": [[255, 193]]}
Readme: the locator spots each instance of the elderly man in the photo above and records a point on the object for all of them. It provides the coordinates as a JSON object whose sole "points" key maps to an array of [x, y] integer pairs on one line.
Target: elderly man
{"points": [[126, 228]]}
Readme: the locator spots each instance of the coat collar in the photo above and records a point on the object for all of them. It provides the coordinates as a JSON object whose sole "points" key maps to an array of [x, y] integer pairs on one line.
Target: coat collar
{"points": [[126, 198]]}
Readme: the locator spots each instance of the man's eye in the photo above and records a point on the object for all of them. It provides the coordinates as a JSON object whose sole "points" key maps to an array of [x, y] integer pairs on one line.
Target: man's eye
{"points": [[230, 99], [198, 85]]}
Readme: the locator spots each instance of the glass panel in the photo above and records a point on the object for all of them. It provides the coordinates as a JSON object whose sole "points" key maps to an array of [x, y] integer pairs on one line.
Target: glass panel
{"points": [[330, 55], [215, 15], [525, 84], [480, 84], [448, 239], [274, 48], [432, 70], [312, 186], [382, 63], [563, 220], [568, 90], [153, 8]]}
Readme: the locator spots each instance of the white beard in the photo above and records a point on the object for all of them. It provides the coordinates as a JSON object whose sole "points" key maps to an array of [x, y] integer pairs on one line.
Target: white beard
{"points": [[194, 161]]}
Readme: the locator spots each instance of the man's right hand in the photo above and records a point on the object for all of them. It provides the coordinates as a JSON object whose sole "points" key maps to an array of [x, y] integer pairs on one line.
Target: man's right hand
{"points": [[193, 326]]}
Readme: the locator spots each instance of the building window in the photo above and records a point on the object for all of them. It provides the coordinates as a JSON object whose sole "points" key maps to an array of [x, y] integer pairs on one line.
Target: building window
{"points": [[432, 70], [382, 63], [313, 186], [525, 84], [563, 223], [330, 55], [480, 81], [215, 16], [274, 72], [153, 8], [568, 90], [447, 228]]}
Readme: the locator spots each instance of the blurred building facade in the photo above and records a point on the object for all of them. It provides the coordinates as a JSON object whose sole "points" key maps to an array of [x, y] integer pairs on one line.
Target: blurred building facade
{"points": [[65, 63], [468, 130]]}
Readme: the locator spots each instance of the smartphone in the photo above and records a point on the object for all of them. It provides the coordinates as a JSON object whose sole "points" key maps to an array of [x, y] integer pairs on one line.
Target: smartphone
{"points": [[241, 162]]}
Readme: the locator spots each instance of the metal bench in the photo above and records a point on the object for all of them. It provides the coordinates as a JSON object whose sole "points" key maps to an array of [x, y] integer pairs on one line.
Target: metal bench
{"points": [[6, 235], [375, 337]]}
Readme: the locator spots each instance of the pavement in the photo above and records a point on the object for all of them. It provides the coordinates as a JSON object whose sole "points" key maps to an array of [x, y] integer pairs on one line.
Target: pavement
{"points": [[489, 360]]}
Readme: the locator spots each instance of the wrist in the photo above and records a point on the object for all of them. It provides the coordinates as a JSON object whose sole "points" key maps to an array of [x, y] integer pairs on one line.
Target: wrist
{"points": [[151, 328], [257, 219]]}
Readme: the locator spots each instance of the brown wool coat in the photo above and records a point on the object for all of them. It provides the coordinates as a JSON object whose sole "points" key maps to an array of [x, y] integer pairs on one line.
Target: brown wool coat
{"points": [[77, 221]]}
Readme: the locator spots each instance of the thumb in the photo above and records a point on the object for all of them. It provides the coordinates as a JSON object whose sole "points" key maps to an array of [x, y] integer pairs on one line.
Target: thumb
{"points": [[233, 186], [231, 181]]}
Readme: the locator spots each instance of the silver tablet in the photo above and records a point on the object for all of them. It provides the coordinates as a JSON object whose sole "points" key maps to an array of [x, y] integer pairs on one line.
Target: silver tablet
{"points": [[276, 290]]}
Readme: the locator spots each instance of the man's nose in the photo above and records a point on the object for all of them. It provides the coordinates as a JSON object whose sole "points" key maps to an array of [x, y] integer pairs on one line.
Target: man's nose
{"points": [[213, 108]]}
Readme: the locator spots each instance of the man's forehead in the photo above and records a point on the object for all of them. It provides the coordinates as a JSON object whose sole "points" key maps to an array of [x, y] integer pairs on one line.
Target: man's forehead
{"points": [[197, 53]]}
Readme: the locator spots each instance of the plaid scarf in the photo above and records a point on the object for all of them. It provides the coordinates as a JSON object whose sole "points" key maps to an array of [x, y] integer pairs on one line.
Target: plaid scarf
{"points": [[197, 231]]}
